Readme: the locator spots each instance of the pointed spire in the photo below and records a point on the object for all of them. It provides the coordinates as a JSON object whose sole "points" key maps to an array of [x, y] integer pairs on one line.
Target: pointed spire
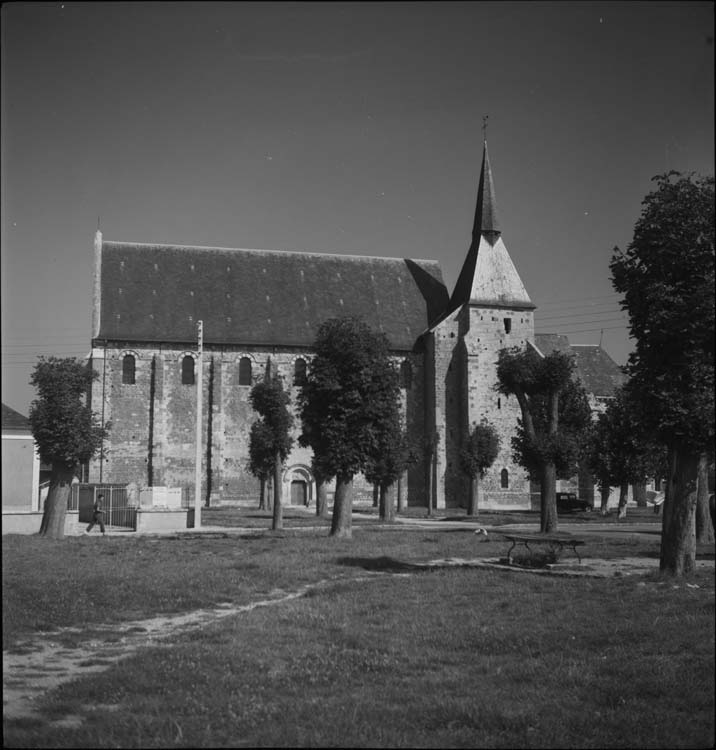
{"points": [[486, 209], [488, 276]]}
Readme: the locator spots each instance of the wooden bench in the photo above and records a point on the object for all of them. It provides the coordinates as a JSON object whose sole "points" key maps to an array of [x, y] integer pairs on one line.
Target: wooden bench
{"points": [[556, 543]]}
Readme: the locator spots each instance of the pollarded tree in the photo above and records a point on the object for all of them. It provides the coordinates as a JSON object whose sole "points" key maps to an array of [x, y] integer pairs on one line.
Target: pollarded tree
{"points": [[270, 400], [477, 455], [666, 275], [621, 452], [66, 431], [555, 419], [262, 458], [396, 453], [349, 394]]}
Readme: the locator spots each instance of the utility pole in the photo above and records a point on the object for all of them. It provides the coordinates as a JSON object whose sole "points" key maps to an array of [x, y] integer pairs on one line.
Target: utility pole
{"points": [[197, 476]]}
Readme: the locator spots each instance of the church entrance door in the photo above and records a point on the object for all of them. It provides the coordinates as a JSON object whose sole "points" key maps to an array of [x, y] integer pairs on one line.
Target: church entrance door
{"points": [[298, 492]]}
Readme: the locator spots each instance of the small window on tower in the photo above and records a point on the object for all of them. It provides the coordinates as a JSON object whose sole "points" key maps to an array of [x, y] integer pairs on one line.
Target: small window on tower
{"points": [[128, 369], [508, 324], [504, 479], [187, 370]]}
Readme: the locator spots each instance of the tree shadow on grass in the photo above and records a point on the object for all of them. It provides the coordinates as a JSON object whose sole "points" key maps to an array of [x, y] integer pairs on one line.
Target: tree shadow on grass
{"points": [[381, 564]]}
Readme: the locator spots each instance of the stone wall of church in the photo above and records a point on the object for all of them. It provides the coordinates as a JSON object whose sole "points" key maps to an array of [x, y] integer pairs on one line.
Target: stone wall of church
{"points": [[486, 331], [153, 422]]}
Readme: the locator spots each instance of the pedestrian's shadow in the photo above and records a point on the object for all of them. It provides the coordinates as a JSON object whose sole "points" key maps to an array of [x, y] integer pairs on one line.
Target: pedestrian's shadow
{"points": [[382, 564]]}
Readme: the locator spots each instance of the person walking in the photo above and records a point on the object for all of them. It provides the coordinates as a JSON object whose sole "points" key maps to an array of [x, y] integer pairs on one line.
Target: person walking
{"points": [[97, 515]]}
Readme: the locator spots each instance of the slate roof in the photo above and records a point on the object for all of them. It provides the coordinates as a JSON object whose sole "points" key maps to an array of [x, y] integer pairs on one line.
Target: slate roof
{"points": [[13, 421], [599, 373], [488, 275], [157, 293]]}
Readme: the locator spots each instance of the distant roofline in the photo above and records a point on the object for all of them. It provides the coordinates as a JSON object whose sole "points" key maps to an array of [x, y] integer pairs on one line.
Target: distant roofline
{"points": [[261, 250]]}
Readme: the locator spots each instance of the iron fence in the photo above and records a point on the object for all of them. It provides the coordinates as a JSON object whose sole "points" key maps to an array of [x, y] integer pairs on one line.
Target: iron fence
{"points": [[119, 510]]}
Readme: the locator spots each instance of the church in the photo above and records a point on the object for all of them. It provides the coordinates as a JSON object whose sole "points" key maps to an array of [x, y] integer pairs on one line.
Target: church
{"points": [[258, 306]]}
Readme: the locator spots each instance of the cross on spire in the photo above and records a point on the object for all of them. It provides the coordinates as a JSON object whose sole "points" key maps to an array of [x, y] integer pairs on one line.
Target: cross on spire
{"points": [[484, 127]]}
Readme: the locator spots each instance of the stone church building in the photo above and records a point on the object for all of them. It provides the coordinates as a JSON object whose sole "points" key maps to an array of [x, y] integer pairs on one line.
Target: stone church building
{"points": [[260, 305]]}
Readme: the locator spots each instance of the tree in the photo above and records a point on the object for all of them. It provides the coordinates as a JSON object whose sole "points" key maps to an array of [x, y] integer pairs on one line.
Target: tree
{"points": [[261, 458], [66, 431], [270, 400], [555, 419], [477, 455], [346, 403], [666, 275], [621, 451], [396, 453]]}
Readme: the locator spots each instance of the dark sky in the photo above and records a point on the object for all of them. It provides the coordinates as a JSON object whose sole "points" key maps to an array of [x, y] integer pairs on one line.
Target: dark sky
{"points": [[341, 128]]}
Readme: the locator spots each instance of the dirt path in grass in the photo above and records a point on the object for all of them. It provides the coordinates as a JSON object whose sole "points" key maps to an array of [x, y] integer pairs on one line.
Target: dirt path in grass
{"points": [[42, 663]]}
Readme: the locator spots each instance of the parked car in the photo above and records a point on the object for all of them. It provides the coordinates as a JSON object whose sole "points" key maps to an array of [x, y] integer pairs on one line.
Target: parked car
{"points": [[568, 502]]}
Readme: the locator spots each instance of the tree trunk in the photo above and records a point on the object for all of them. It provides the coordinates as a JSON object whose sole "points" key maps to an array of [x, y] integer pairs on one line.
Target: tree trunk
{"points": [[623, 497], [548, 498], [474, 501], [402, 490], [704, 525], [429, 483], [639, 494], [55, 510], [341, 520], [376, 494], [604, 493], [277, 487], [269, 494], [387, 502], [321, 498], [678, 530], [262, 494]]}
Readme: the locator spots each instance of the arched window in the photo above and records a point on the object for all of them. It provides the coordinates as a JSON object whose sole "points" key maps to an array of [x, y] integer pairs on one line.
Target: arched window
{"points": [[299, 372], [128, 369], [244, 371], [406, 375], [504, 479], [187, 370]]}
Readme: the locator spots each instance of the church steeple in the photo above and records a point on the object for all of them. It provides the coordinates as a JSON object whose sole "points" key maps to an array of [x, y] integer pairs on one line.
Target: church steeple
{"points": [[486, 208], [488, 276]]}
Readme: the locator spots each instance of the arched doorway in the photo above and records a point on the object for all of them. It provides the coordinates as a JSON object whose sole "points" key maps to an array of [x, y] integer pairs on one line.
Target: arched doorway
{"points": [[299, 492], [301, 483]]}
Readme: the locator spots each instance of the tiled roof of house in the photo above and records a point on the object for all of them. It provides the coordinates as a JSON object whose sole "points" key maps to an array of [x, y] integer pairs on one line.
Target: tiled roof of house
{"points": [[13, 421], [599, 373], [157, 293]]}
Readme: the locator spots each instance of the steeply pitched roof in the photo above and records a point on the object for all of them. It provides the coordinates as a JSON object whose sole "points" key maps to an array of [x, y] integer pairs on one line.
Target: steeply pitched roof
{"points": [[599, 373], [488, 276], [13, 421], [157, 293]]}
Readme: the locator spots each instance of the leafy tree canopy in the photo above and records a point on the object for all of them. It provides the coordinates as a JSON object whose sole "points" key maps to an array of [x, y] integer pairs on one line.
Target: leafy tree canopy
{"points": [[666, 275], [63, 425], [349, 402], [621, 451], [273, 435], [556, 415], [480, 450]]}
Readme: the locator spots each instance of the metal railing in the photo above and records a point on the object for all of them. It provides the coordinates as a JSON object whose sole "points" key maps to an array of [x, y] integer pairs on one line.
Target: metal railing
{"points": [[118, 511]]}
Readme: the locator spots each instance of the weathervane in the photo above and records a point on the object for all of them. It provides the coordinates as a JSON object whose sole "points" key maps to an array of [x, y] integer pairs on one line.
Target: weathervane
{"points": [[484, 127]]}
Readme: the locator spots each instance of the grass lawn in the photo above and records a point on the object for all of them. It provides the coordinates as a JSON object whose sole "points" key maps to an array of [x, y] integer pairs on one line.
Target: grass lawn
{"points": [[457, 657]]}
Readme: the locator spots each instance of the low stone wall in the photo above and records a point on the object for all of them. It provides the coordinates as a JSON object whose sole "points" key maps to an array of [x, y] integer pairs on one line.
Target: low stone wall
{"points": [[158, 519], [29, 523]]}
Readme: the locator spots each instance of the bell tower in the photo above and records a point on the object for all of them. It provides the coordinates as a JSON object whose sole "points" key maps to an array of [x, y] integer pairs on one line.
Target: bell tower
{"points": [[489, 310]]}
